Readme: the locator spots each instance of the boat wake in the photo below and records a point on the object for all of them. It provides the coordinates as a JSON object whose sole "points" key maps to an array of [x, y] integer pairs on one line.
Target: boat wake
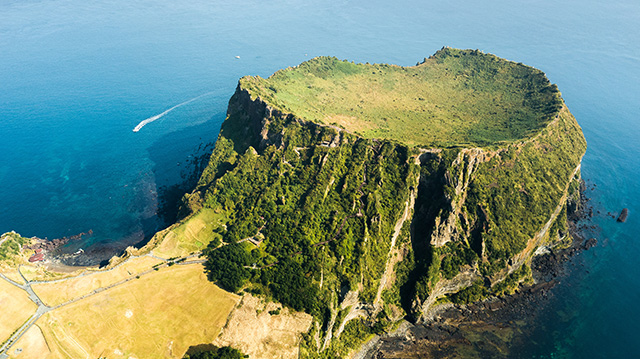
{"points": [[160, 115]]}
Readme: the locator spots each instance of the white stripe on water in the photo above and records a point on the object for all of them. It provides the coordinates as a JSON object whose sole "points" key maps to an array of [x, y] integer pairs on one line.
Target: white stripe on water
{"points": [[160, 115]]}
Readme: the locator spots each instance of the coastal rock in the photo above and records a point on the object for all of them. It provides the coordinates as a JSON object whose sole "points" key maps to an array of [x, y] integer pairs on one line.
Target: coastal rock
{"points": [[44, 246], [590, 243], [623, 215]]}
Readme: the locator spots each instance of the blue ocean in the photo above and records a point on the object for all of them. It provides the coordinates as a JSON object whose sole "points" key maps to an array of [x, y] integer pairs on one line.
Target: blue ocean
{"points": [[76, 78]]}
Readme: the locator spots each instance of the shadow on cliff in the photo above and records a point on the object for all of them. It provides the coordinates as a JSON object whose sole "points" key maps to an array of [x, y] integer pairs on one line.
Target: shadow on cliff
{"points": [[179, 159], [430, 199]]}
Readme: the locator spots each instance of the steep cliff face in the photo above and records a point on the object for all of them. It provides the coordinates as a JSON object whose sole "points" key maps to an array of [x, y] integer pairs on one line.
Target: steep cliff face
{"points": [[360, 230], [326, 201], [498, 206]]}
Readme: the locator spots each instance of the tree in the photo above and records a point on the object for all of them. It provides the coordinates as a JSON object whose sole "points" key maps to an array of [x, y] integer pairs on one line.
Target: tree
{"points": [[225, 266], [216, 353]]}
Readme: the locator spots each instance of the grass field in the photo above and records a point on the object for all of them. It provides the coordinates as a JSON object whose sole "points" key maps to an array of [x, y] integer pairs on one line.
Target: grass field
{"points": [[32, 345], [12, 273], [59, 292], [39, 272], [15, 309], [192, 235], [454, 98], [157, 316]]}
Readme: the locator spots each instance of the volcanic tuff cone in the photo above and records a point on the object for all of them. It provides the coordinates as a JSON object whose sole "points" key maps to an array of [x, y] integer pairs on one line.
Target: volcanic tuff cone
{"points": [[379, 189]]}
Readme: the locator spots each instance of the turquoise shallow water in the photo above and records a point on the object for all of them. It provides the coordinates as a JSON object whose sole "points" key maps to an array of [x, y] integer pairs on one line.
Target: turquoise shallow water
{"points": [[76, 77]]}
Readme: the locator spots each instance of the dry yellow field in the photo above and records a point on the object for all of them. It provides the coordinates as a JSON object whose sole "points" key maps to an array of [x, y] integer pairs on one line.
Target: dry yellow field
{"points": [[12, 273], [39, 272], [60, 292], [31, 346], [15, 309], [157, 316], [191, 236]]}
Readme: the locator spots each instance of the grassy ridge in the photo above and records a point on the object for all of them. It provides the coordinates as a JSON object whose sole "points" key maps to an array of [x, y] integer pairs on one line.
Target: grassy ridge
{"points": [[10, 244], [454, 98]]}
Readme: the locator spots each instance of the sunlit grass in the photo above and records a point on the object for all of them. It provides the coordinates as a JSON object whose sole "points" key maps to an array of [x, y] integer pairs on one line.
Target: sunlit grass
{"points": [[159, 315], [192, 235], [15, 309], [454, 98], [59, 292]]}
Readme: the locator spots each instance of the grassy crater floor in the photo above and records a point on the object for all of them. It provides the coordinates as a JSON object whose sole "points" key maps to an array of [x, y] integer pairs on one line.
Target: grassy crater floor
{"points": [[454, 98]]}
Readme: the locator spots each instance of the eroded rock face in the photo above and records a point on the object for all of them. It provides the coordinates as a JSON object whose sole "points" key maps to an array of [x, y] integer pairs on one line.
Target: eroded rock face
{"points": [[463, 167], [492, 195], [264, 329]]}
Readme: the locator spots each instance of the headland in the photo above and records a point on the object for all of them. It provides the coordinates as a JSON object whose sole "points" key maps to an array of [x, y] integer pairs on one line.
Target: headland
{"points": [[358, 197]]}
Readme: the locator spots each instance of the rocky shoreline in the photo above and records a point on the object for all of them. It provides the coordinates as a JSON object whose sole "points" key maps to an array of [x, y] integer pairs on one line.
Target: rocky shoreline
{"points": [[51, 245], [55, 254], [497, 326], [488, 329]]}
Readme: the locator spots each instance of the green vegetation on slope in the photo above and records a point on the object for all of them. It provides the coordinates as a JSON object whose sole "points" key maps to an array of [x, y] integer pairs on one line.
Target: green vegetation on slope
{"points": [[216, 353], [454, 98], [10, 244], [314, 204], [524, 182], [226, 266], [510, 197]]}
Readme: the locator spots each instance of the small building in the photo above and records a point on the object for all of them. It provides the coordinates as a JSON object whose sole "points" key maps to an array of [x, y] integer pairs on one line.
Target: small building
{"points": [[37, 257]]}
